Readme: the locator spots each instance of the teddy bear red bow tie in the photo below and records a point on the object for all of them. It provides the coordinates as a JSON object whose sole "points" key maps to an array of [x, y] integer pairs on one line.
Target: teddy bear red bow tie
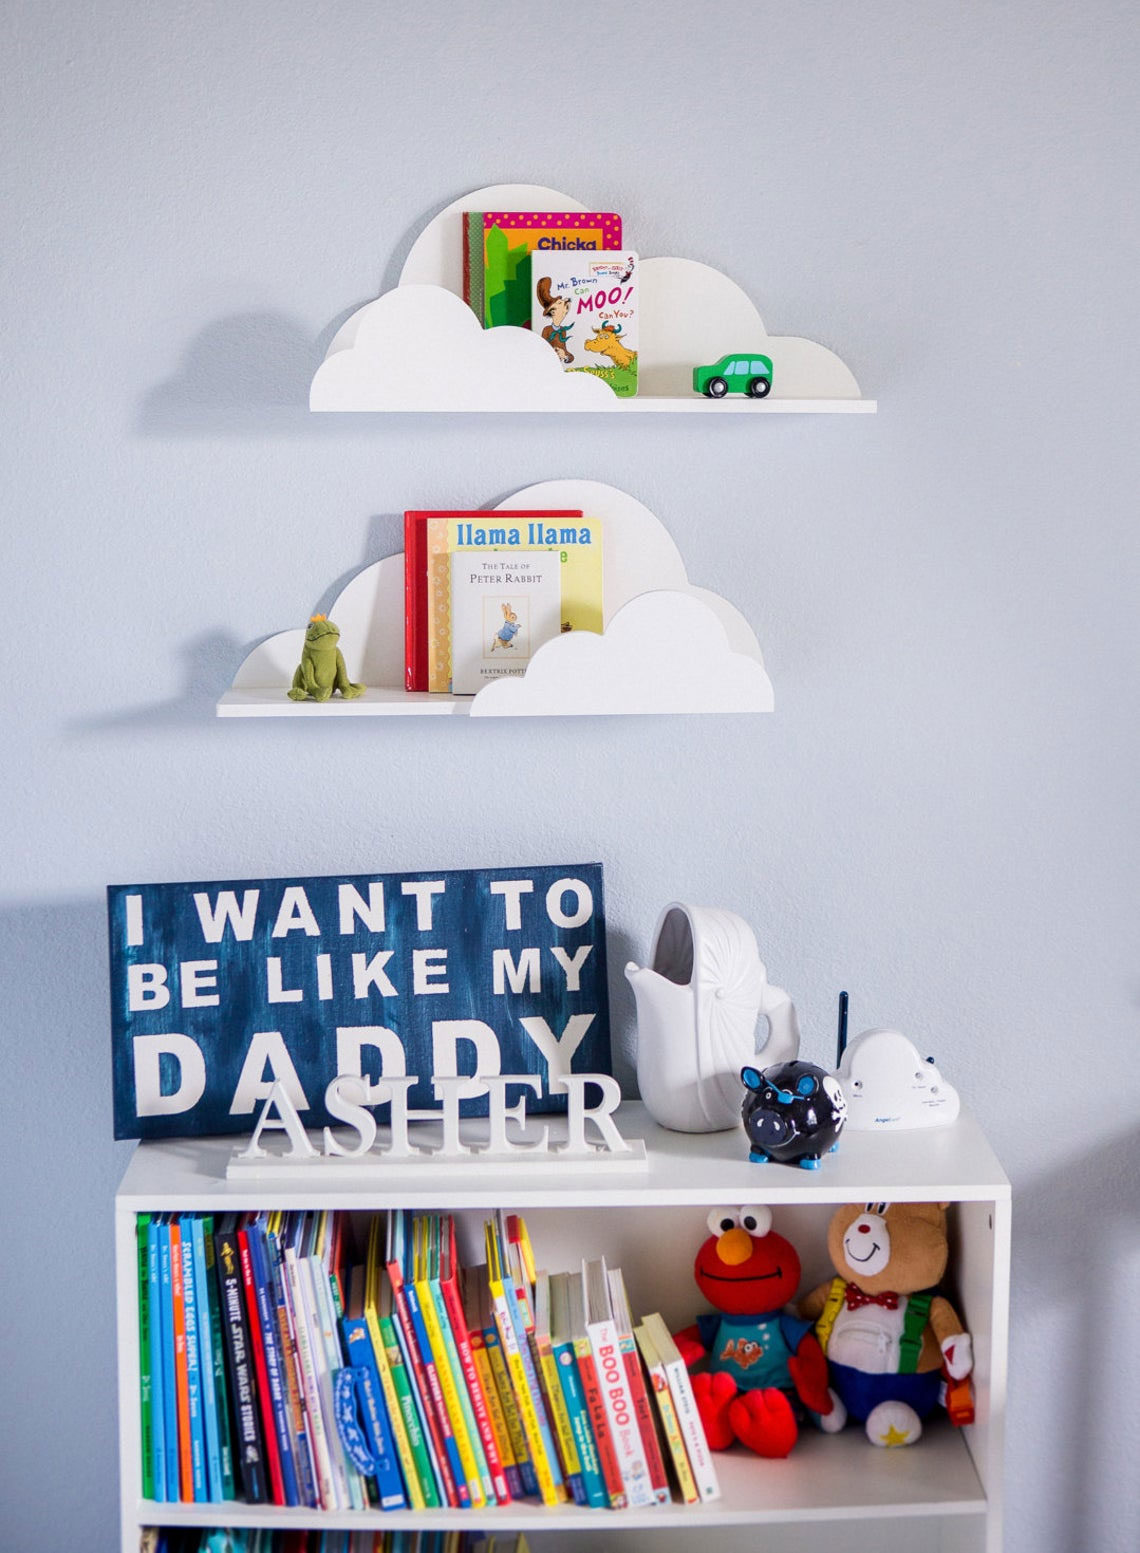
{"points": [[855, 1297]]}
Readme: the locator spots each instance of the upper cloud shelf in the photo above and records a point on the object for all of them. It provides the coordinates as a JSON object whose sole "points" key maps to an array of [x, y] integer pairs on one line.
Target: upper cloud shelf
{"points": [[420, 347]]}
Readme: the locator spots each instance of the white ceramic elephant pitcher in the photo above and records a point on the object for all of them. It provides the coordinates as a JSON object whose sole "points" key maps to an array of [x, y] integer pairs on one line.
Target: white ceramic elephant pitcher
{"points": [[697, 1007]]}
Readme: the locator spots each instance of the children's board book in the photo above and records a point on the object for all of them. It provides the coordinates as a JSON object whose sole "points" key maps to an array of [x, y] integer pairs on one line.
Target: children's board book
{"points": [[585, 307], [497, 246], [218, 988], [503, 608], [431, 537]]}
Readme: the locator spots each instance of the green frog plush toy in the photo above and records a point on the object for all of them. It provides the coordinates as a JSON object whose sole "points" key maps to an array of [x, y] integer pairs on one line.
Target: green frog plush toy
{"points": [[321, 669]]}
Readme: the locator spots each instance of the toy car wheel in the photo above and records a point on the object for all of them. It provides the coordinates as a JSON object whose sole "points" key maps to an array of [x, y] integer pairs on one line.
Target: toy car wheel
{"points": [[760, 387], [716, 388]]}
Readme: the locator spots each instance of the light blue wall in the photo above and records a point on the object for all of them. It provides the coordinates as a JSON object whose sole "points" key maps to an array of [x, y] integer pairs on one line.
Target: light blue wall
{"points": [[940, 815]]}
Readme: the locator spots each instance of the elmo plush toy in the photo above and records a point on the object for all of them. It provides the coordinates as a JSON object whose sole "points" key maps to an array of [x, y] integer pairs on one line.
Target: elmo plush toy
{"points": [[759, 1359]]}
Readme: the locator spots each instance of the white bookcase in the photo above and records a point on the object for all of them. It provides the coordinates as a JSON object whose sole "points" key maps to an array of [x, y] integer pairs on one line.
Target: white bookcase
{"points": [[942, 1495]]}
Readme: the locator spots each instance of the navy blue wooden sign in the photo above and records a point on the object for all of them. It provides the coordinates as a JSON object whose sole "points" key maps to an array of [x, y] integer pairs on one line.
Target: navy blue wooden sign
{"points": [[219, 989]]}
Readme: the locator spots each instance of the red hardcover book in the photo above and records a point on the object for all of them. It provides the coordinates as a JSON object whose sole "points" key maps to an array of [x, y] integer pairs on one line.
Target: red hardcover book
{"points": [[449, 1288], [603, 1439], [181, 1368], [256, 1342], [431, 1397], [416, 585]]}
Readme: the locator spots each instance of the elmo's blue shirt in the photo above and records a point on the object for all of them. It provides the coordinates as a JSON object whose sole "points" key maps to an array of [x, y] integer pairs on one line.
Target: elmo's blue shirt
{"points": [[754, 1350]]}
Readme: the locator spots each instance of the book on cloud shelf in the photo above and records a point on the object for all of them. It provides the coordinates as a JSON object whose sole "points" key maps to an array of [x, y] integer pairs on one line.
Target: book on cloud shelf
{"points": [[497, 250], [431, 539], [335, 1362], [585, 308]]}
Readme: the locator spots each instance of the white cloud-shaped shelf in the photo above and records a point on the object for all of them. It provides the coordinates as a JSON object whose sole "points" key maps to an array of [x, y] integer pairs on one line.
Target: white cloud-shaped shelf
{"points": [[668, 646], [419, 347]]}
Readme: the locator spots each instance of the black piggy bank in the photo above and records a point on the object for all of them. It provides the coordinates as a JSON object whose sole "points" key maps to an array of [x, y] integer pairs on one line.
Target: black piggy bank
{"points": [[793, 1113]]}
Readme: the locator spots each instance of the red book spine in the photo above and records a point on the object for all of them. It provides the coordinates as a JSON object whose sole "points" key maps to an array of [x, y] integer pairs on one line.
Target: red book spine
{"points": [[420, 1376], [646, 1426], [181, 1369], [257, 1344], [607, 1452], [479, 1407], [415, 601]]}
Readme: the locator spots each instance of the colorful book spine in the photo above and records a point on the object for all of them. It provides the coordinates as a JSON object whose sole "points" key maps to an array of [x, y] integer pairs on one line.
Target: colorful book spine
{"points": [[497, 1360], [206, 1362], [328, 1359], [496, 1413], [524, 1384], [169, 1364], [181, 1371], [358, 1351], [418, 1473], [324, 1483], [560, 1418], [435, 1399], [290, 1367], [261, 1372], [148, 1318], [599, 1424], [157, 1360], [446, 1359], [620, 1411], [578, 1413], [274, 1362], [213, 1305], [670, 1423], [470, 1383], [193, 1363], [681, 1389], [249, 1454]]}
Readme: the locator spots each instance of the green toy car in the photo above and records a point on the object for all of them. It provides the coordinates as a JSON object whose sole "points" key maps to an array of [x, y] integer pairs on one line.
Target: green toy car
{"points": [[751, 375]]}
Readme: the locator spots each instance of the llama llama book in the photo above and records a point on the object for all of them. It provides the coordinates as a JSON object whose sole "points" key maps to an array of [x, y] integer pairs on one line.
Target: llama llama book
{"points": [[504, 606], [585, 307], [497, 246]]}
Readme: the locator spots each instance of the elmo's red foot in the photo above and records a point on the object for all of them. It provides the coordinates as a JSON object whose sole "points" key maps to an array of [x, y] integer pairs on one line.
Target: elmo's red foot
{"points": [[715, 1395], [764, 1421]]}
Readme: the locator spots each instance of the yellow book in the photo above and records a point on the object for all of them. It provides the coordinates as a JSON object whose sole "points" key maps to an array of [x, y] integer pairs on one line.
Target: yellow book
{"points": [[550, 1492], [506, 1393], [577, 540], [472, 1286], [670, 1423], [469, 1461], [373, 1273]]}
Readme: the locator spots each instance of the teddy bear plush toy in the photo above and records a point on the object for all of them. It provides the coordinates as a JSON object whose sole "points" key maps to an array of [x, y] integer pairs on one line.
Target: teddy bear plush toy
{"points": [[762, 1362], [891, 1341]]}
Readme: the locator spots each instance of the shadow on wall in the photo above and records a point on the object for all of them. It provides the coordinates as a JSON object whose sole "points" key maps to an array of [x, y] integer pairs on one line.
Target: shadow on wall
{"points": [[60, 1168], [1076, 1232]]}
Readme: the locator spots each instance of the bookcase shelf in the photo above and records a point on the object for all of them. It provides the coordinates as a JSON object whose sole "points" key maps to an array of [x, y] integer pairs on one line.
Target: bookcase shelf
{"points": [[668, 646], [945, 1490], [419, 347]]}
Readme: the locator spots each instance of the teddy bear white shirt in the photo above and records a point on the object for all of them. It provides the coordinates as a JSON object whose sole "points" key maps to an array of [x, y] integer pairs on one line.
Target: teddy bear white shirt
{"points": [[869, 1338]]}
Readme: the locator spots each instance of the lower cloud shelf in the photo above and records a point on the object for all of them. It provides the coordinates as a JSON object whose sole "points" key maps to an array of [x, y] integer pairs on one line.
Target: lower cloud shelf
{"points": [[826, 1478]]}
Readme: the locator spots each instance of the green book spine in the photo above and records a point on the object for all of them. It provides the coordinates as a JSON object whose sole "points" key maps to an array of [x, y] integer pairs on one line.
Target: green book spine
{"points": [[473, 262], [410, 1415], [225, 1443], [146, 1417]]}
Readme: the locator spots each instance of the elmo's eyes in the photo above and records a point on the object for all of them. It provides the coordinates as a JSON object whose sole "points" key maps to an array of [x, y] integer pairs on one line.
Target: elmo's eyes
{"points": [[721, 1220], [750, 1222]]}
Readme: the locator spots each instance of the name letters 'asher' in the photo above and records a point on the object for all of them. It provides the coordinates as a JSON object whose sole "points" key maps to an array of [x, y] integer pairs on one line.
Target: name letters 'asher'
{"points": [[222, 991]]}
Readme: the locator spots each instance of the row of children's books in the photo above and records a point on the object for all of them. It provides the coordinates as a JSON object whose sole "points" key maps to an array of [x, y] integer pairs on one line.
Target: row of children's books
{"points": [[484, 590], [243, 1540], [347, 1362], [563, 274]]}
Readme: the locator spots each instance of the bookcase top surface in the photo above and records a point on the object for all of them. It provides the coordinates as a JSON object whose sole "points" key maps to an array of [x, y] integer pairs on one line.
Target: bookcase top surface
{"points": [[953, 1164]]}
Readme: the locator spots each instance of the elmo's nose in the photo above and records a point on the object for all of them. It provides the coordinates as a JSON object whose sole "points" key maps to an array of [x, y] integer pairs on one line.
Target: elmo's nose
{"points": [[734, 1247]]}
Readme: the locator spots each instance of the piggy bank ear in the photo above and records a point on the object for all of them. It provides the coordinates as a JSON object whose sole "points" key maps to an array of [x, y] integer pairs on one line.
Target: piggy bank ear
{"points": [[750, 1078]]}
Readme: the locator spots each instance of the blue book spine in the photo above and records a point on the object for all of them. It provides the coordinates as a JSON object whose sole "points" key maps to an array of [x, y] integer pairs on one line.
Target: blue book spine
{"points": [[193, 1362], [358, 1348], [571, 1383], [267, 1316], [206, 1364], [169, 1393], [449, 1442], [302, 1458], [157, 1378]]}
